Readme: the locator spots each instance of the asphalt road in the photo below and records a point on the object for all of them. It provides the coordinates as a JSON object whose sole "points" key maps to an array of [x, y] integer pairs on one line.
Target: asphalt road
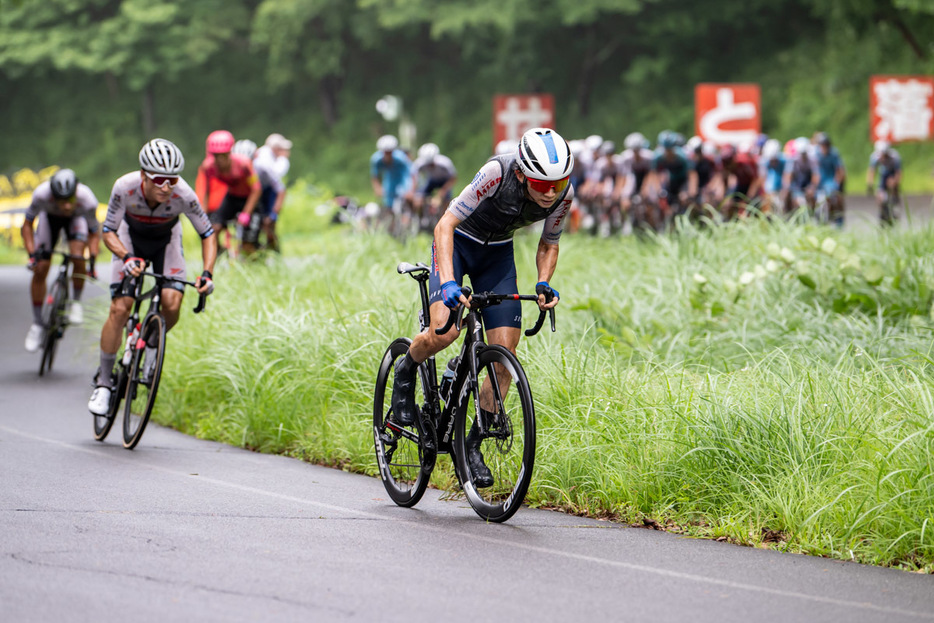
{"points": [[182, 529]]}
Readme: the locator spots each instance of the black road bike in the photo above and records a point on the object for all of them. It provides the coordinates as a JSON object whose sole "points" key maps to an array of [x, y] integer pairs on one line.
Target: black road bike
{"points": [[483, 387], [55, 311], [138, 371]]}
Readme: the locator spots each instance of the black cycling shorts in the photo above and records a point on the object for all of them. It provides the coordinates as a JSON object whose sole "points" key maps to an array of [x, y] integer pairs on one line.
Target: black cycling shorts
{"points": [[491, 268]]}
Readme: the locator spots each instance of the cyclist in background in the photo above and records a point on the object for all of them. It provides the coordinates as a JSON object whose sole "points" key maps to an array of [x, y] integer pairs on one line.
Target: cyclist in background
{"points": [[243, 187], [61, 204], [677, 177], [142, 224], [888, 163], [634, 169], [474, 238], [740, 175], [603, 196], [775, 170], [390, 174], [271, 162], [801, 176], [433, 177], [829, 176]]}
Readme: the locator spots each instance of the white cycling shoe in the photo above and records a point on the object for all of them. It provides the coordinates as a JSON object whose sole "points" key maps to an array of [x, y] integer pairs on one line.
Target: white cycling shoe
{"points": [[34, 337], [99, 404], [75, 313]]}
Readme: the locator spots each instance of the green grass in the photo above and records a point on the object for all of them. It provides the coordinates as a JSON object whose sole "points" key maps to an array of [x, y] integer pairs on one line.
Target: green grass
{"points": [[763, 383]]}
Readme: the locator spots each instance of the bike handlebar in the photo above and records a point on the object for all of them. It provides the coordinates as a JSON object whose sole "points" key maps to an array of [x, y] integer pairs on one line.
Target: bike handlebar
{"points": [[202, 296], [487, 299]]}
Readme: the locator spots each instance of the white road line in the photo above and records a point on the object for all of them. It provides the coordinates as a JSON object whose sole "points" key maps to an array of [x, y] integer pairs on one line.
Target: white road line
{"points": [[688, 577]]}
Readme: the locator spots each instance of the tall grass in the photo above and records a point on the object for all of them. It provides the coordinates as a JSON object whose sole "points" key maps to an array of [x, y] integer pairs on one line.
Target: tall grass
{"points": [[767, 383]]}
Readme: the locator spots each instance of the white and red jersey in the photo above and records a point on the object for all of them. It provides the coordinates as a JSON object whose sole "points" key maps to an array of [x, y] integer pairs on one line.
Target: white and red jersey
{"points": [[494, 205], [44, 201], [127, 203]]}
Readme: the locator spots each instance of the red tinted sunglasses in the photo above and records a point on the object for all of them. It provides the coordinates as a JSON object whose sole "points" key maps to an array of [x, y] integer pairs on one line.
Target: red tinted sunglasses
{"points": [[162, 180], [543, 186]]}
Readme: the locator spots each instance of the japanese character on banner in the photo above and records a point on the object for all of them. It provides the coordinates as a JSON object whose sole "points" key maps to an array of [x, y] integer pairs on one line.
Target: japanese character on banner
{"points": [[902, 108]]}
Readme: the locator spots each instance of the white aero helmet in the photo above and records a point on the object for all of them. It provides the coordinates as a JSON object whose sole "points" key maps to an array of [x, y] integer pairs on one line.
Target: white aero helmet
{"points": [[244, 147], [693, 143], [634, 140], [161, 156], [544, 155], [387, 142], [429, 151], [771, 149], [593, 142]]}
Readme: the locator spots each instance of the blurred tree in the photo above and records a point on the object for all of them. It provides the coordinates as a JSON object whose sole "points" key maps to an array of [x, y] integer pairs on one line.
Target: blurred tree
{"points": [[144, 44], [313, 39]]}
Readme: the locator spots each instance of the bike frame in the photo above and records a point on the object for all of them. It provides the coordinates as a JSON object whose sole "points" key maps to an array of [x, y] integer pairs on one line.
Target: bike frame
{"points": [[465, 372]]}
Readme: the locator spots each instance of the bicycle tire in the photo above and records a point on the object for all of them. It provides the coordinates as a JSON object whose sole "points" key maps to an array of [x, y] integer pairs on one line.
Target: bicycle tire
{"points": [[509, 448], [53, 315], [405, 478], [140, 397], [103, 423]]}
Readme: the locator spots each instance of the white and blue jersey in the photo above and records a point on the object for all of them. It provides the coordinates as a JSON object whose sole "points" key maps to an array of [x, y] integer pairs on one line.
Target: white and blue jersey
{"points": [[774, 171], [395, 175]]}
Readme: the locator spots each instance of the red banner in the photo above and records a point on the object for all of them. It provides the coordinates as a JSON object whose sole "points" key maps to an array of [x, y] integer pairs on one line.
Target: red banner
{"points": [[514, 114], [727, 113], [901, 108]]}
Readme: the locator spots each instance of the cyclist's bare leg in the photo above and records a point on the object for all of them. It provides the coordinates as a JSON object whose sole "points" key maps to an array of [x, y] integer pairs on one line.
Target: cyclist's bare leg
{"points": [[37, 287], [113, 326], [509, 338], [428, 343], [76, 248], [171, 304]]}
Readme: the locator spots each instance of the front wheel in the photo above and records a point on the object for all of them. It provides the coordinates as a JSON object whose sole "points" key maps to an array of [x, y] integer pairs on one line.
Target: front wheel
{"points": [[103, 423], [508, 443], [404, 466], [53, 318], [143, 376]]}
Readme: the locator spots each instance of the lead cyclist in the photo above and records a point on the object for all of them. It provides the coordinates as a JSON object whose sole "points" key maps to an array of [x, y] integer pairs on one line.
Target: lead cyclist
{"points": [[474, 238]]}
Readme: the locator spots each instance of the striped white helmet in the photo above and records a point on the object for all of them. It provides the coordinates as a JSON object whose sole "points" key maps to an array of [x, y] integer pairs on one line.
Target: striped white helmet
{"points": [[544, 155], [161, 156], [244, 147]]}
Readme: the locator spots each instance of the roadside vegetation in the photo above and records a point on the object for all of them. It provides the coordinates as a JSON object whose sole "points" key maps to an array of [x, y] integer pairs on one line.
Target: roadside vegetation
{"points": [[762, 383]]}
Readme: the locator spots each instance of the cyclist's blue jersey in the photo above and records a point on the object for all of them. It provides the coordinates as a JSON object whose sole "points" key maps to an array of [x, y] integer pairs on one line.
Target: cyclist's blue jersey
{"points": [[396, 175], [774, 173], [678, 165], [827, 164], [885, 167], [802, 173]]}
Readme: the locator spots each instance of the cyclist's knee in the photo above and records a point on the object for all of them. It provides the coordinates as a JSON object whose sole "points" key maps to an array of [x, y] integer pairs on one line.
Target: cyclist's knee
{"points": [[41, 271], [120, 308]]}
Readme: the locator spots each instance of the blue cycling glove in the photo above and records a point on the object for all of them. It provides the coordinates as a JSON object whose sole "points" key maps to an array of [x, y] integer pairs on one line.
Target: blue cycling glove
{"points": [[450, 294], [542, 287]]}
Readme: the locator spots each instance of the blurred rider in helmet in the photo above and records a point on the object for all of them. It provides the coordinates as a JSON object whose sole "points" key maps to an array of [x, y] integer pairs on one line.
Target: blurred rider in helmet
{"points": [[243, 189]]}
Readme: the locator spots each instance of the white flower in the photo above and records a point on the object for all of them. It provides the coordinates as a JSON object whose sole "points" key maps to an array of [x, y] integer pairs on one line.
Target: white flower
{"points": [[699, 279], [772, 266], [828, 246], [746, 278], [787, 255]]}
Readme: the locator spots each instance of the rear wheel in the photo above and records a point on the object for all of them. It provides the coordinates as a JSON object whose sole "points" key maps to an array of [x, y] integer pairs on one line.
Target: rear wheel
{"points": [[404, 466], [142, 383], [508, 443], [53, 319]]}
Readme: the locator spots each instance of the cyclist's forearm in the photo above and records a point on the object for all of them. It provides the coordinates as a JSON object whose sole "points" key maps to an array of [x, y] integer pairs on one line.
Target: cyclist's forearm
{"points": [[546, 259], [29, 242], [251, 200], [444, 246], [209, 252], [112, 242]]}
